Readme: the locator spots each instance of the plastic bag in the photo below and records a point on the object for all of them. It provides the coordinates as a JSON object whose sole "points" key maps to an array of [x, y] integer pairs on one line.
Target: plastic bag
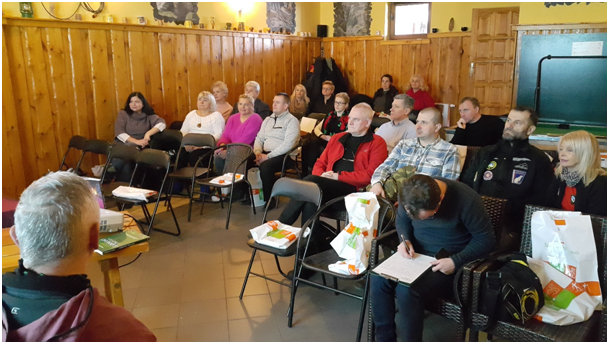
{"points": [[275, 234], [253, 176]]}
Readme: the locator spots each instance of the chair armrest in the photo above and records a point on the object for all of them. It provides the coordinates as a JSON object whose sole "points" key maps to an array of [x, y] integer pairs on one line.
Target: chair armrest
{"points": [[286, 157]]}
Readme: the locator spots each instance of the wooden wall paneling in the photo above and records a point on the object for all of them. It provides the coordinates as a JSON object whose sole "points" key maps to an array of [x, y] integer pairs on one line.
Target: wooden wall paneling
{"points": [[205, 73], [13, 176], [81, 82], [183, 100], [137, 79], [280, 63], [193, 62], [465, 77], [103, 101], [258, 67], [297, 66], [153, 73], [121, 68], [240, 58], [268, 80], [359, 66], [168, 80], [228, 62], [216, 59]]}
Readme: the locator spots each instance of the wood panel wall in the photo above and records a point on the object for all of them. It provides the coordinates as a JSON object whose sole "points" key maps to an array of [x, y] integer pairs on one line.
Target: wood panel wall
{"points": [[66, 78]]}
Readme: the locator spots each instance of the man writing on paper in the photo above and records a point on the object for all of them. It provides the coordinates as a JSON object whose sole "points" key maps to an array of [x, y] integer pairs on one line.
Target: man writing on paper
{"points": [[49, 297], [433, 214]]}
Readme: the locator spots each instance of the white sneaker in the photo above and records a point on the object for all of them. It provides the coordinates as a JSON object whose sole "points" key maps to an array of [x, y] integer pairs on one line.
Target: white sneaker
{"points": [[215, 198]]}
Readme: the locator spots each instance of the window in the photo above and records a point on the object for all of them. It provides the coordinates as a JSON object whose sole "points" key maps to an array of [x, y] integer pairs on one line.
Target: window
{"points": [[409, 19]]}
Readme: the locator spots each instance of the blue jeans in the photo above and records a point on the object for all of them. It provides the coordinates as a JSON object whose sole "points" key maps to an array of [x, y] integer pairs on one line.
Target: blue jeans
{"points": [[410, 304]]}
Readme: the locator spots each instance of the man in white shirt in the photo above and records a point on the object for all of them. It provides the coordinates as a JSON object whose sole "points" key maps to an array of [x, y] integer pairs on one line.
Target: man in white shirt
{"points": [[400, 127]]}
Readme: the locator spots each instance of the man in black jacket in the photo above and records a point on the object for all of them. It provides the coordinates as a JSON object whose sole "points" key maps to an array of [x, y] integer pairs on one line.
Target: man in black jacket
{"points": [[474, 128], [512, 169]]}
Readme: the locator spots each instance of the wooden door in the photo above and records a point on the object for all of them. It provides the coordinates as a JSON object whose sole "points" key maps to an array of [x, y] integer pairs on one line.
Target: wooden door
{"points": [[493, 45]]}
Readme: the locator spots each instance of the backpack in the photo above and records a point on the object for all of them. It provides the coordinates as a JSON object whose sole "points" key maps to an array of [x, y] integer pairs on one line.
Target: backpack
{"points": [[393, 183], [509, 290]]}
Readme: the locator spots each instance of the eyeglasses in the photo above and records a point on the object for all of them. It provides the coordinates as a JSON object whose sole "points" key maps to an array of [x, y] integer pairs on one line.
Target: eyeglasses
{"points": [[340, 103]]}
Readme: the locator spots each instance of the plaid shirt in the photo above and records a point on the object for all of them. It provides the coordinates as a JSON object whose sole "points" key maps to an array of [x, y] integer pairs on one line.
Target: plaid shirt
{"points": [[439, 159]]}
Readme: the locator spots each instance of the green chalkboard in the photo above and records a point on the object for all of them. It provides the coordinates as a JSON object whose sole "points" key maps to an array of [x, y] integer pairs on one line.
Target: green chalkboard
{"points": [[572, 90]]}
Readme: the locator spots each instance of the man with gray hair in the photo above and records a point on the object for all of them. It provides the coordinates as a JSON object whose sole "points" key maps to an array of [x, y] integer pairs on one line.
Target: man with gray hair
{"points": [[252, 88], [49, 297], [400, 127]]}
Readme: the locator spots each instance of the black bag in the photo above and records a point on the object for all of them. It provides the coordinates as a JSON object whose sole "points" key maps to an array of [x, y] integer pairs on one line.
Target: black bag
{"points": [[509, 290]]}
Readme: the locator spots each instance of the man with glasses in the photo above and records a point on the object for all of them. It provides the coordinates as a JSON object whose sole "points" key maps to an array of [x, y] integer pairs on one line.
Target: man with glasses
{"points": [[279, 133], [428, 153], [346, 164], [325, 103], [434, 215], [400, 127]]}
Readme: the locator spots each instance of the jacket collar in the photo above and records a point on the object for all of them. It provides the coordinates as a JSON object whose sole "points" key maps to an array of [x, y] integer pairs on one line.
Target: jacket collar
{"points": [[367, 137]]}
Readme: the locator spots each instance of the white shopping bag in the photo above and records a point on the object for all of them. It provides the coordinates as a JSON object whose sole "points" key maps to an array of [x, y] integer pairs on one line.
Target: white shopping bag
{"points": [[563, 245], [253, 176], [275, 234], [353, 243]]}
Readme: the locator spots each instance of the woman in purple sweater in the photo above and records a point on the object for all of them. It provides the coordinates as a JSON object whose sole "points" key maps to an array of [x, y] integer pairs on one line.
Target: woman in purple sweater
{"points": [[241, 127]]}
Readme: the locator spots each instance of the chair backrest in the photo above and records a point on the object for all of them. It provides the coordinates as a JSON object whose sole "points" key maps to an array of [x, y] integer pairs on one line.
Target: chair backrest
{"points": [[377, 122], [154, 159], [176, 125], [95, 147], [495, 208], [76, 142], [599, 228], [295, 189], [236, 158], [198, 140], [167, 140], [126, 153], [387, 214], [317, 116]]}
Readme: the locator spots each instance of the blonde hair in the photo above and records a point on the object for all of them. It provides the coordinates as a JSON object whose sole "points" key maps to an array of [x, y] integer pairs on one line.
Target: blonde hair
{"points": [[222, 86], [585, 148], [210, 97], [249, 98], [422, 82], [344, 97], [293, 96]]}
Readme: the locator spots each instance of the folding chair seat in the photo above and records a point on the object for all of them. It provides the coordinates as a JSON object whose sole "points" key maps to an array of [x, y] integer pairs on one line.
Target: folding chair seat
{"points": [[191, 173], [98, 147], [455, 310], [295, 189], [318, 262], [534, 330], [237, 155], [77, 142], [150, 160]]}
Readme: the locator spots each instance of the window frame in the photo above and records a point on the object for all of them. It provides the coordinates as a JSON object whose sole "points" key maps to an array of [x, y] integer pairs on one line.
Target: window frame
{"points": [[391, 13]]}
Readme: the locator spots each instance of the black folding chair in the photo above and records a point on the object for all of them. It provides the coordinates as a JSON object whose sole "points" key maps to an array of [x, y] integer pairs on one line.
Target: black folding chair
{"points": [[98, 147], [295, 189], [77, 142]]}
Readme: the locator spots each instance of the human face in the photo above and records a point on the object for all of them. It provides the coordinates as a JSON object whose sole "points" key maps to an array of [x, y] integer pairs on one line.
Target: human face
{"points": [[339, 104], [385, 83], [279, 105], [327, 90], [518, 126], [567, 156], [468, 112], [136, 104], [358, 123], [251, 91], [299, 92], [245, 107], [203, 103], [415, 84], [218, 94], [426, 128], [398, 110]]}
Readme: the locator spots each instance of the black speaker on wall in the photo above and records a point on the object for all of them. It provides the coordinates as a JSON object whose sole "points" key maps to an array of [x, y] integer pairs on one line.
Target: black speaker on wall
{"points": [[322, 30]]}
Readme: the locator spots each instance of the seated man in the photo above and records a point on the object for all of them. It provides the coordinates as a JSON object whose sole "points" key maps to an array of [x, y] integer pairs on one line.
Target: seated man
{"points": [[512, 169], [474, 128], [49, 297], [278, 134], [323, 103], [400, 127], [346, 164], [433, 214], [252, 88], [428, 153]]}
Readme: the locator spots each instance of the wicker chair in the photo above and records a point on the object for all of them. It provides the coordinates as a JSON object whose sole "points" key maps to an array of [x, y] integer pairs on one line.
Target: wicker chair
{"points": [[535, 330], [450, 309]]}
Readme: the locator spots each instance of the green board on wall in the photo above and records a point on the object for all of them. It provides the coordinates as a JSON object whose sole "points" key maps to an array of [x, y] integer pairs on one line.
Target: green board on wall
{"points": [[572, 91]]}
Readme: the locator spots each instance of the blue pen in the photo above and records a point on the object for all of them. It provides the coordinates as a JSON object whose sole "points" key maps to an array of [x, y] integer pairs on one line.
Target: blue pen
{"points": [[406, 246]]}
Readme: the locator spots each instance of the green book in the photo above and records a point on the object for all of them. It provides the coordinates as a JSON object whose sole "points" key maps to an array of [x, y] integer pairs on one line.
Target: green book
{"points": [[119, 241]]}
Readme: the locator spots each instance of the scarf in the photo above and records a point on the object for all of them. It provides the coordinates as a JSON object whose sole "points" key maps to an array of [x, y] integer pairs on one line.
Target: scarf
{"points": [[570, 177]]}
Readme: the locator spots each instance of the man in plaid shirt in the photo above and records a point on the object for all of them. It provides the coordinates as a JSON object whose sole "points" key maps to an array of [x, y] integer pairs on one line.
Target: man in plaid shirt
{"points": [[427, 152]]}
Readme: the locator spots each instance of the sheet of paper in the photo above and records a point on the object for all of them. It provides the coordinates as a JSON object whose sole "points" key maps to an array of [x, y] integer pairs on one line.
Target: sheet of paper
{"points": [[403, 269], [307, 124]]}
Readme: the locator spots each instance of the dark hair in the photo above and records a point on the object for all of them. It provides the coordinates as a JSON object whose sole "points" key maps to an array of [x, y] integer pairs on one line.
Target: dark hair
{"points": [[147, 109], [473, 100], [533, 116], [285, 96], [388, 76], [419, 192]]}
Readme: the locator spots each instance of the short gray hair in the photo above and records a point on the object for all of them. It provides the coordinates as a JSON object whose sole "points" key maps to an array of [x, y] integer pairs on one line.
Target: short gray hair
{"points": [[407, 100], [50, 215], [252, 83], [366, 108]]}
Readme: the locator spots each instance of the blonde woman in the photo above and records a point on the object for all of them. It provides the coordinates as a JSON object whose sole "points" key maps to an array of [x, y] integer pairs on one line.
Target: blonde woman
{"points": [[299, 102], [581, 183], [220, 92], [204, 120], [419, 91]]}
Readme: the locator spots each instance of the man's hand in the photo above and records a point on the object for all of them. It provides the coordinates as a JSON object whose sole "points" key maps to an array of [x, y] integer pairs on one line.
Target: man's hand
{"points": [[444, 265], [260, 158], [461, 123], [404, 252], [330, 175], [377, 189]]}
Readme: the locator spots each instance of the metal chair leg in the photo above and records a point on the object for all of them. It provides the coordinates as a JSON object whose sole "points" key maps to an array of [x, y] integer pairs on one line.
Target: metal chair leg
{"points": [[247, 274]]}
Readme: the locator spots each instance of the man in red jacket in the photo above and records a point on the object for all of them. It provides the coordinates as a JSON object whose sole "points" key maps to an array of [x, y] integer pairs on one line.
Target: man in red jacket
{"points": [[346, 165]]}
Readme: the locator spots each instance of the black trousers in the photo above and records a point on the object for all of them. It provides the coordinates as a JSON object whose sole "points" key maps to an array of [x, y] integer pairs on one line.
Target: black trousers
{"points": [[312, 148], [267, 174]]}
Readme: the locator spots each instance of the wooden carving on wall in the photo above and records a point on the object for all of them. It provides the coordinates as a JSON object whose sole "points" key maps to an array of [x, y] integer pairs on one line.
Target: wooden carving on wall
{"points": [[550, 4], [352, 18], [281, 15], [177, 12]]}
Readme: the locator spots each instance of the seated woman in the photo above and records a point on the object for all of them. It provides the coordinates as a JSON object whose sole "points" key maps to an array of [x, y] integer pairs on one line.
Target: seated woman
{"points": [[580, 183], [241, 127], [299, 102], [204, 120], [418, 90], [220, 92], [383, 97], [134, 125], [334, 123]]}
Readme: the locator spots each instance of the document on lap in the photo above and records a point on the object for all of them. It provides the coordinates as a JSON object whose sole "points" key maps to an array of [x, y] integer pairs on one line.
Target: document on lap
{"points": [[404, 270]]}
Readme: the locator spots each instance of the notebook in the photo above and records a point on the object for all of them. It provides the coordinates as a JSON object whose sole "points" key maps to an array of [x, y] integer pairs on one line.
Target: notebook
{"points": [[307, 124]]}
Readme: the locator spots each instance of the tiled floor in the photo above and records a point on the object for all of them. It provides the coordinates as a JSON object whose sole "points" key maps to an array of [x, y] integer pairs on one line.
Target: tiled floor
{"points": [[187, 288]]}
